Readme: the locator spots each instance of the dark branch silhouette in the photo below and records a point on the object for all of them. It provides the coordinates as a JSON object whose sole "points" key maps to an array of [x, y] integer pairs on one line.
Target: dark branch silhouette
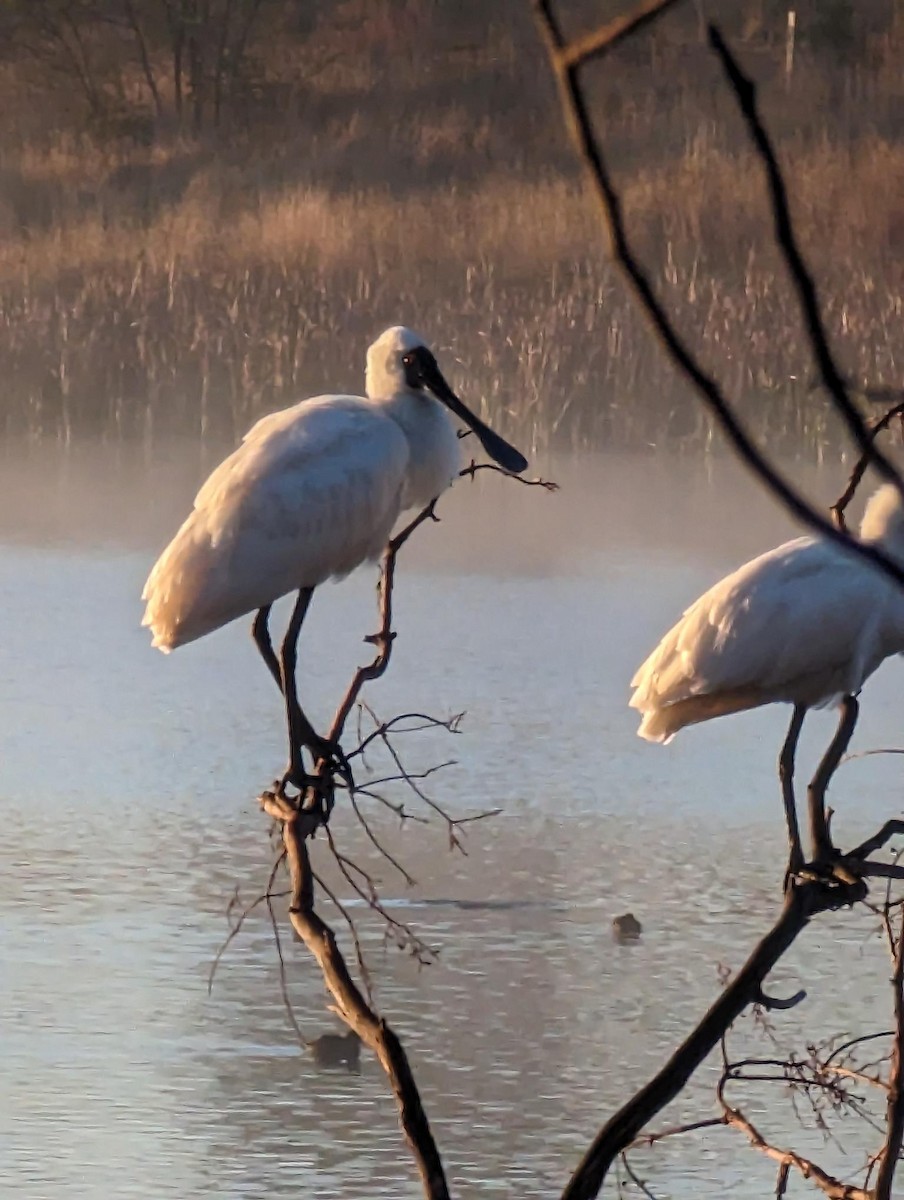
{"points": [[745, 93], [566, 66], [624, 1127], [856, 478], [808, 894]]}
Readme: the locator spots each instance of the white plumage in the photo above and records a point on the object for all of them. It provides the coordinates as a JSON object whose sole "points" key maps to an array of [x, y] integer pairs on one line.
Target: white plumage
{"points": [[311, 493], [806, 623]]}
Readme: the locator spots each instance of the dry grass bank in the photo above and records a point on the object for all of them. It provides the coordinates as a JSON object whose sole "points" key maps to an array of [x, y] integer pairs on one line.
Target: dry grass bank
{"points": [[187, 285]]}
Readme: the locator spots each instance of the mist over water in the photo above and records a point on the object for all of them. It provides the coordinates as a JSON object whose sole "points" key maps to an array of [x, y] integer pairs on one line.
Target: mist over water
{"points": [[128, 784]]}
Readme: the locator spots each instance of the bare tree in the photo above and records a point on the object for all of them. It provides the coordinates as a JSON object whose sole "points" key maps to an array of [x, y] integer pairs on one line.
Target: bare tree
{"points": [[191, 53], [812, 893]]}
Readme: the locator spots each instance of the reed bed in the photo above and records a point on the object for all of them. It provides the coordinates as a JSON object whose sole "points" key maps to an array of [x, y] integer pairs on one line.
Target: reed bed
{"points": [[180, 287]]}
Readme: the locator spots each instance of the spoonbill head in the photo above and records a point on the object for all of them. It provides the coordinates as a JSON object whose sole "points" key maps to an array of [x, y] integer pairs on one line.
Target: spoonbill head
{"points": [[312, 492]]}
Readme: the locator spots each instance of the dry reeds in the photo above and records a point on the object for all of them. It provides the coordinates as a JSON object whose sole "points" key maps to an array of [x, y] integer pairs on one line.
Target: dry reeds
{"points": [[185, 287]]}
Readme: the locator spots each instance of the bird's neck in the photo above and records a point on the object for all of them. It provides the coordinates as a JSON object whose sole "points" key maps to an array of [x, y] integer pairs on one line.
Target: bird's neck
{"points": [[434, 455]]}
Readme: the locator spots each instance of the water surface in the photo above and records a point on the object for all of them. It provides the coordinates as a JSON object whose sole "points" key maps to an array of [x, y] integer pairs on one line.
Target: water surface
{"points": [[128, 784]]}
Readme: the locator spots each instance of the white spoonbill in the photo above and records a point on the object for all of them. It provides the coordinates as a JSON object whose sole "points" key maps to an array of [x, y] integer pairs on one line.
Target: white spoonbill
{"points": [[804, 624], [312, 492]]}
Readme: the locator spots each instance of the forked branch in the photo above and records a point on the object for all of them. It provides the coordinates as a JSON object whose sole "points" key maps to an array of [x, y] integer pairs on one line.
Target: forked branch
{"points": [[624, 1127], [566, 62], [300, 820], [839, 508]]}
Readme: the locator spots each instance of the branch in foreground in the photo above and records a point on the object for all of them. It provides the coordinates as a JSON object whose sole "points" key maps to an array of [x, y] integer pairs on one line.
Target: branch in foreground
{"points": [[828, 1184], [566, 63], [606, 37], [351, 1005], [801, 905], [815, 895], [801, 277], [894, 1117], [839, 507]]}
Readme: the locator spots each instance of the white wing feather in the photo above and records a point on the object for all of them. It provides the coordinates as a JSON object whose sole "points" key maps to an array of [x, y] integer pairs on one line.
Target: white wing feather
{"points": [[311, 493], [801, 623]]}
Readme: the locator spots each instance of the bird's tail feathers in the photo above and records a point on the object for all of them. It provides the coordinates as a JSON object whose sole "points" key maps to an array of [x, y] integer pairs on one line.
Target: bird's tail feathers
{"points": [[662, 723]]}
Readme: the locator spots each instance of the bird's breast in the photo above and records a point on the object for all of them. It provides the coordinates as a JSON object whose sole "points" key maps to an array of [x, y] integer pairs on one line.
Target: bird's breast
{"points": [[435, 456]]}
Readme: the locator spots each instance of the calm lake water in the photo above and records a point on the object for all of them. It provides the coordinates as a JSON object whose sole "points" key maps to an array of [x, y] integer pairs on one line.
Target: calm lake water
{"points": [[128, 784]]}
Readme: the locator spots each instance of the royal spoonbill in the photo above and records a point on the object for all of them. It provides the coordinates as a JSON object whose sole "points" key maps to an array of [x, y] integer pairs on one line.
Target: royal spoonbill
{"points": [[804, 624], [311, 493]]}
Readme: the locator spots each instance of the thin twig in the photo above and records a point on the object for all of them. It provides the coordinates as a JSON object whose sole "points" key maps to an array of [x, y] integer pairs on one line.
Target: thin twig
{"points": [[425, 721], [397, 808], [781, 1180], [639, 1183], [267, 894], [410, 881], [473, 467], [650, 1139], [405, 935], [283, 978]]}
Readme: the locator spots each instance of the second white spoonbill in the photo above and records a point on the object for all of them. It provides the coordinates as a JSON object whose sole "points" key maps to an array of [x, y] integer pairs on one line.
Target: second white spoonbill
{"points": [[312, 492], [805, 624]]}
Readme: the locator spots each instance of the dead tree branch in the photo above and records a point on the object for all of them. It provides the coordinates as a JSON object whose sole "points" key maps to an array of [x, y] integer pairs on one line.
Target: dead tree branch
{"points": [[801, 905], [856, 478], [383, 639], [833, 1188], [266, 896], [801, 277], [894, 1117], [813, 895], [650, 1139], [300, 819], [473, 467], [566, 63], [606, 37], [356, 1012]]}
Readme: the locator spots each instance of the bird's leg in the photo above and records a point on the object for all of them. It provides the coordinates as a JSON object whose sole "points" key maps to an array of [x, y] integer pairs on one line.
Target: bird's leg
{"points": [[823, 850], [260, 631], [301, 731], [786, 776]]}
